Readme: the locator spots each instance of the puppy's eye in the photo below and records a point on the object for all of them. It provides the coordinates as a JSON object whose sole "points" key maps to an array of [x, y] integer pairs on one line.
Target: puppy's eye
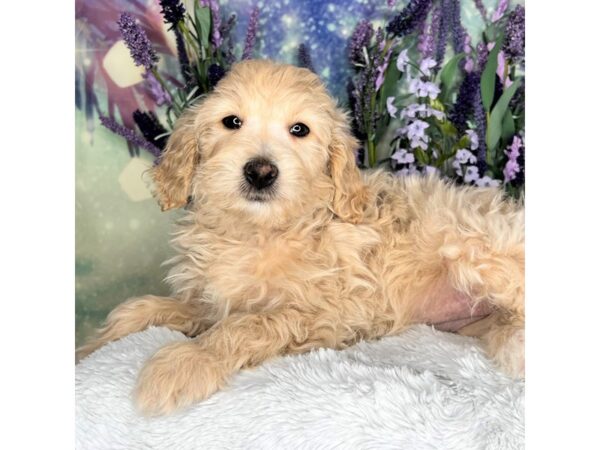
{"points": [[299, 130], [232, 122]]}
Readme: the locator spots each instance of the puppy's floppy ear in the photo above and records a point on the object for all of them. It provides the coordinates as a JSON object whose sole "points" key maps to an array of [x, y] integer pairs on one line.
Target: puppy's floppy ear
{"points": [[175, 170], [350, 194]]}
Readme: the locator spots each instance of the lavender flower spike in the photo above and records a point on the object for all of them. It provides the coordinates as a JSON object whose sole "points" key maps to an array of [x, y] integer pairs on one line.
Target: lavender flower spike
{"points": [[137, 41], [500, 10], [130, 135], [160, 96], [173, 11], [251, 34], [216, 37], [304, 59], [360, 38], [409, 18], [514, 45]]}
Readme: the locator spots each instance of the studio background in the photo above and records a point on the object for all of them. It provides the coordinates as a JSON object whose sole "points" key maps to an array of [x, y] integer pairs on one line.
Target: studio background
{"points": [[121, 234]]}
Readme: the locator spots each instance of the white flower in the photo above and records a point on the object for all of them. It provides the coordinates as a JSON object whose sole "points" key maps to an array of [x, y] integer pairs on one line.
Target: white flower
{"points": [[416, 129], [431, 170], [392, 110], [487, 182], [411, 169], [474, 139], [403, 156], [457, 167], [423, 88], [464, 156], [439, 115], [402, 60], [471, 174], [412, 110], [426, 65]]}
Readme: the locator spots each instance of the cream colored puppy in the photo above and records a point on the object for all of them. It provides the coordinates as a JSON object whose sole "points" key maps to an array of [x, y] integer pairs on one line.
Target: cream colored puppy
{"points": [[287, 247]]}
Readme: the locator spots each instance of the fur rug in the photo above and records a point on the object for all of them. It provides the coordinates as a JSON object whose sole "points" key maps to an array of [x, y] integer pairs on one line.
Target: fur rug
{"points": [[424, 389]]}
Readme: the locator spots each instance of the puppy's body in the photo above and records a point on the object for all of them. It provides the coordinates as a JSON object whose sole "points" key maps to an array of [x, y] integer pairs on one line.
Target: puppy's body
{"points": [[324, 258]]}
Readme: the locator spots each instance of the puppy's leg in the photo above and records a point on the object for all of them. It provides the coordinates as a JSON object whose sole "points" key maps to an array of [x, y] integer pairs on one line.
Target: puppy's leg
{"points": [[186, 372], [139, 313], [498, 278]]}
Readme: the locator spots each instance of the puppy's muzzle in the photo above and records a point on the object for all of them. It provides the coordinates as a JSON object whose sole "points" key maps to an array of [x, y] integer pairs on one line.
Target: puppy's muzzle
{"points": [[260, 173]]}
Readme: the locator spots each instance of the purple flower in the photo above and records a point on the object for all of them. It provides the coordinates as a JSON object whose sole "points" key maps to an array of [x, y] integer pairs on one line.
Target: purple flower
{"points": [[464, 101], [426, 65], [251, 34], [500, 10], [381, 70], [427, 39], [481, 123], [402, 156], [216, 38], [464, 156], [173, 11], [442, 34], [182, 56], [416, 130], [304, 59], [137, 41], [487, 182], [514, 43], [228, 35], [473, 138], [481, 9], [423, 88], [151, 128], [130, 135], [158, 93], [361, 37], [512, 166], [215, 73], [458, 32], [471, 174], [413, 14]]}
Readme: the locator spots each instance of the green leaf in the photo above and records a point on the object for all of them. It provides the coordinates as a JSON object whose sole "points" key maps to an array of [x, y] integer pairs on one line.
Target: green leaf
{"points": [[488, 77], [202, 23], [389, 88], [494, 128], [421, 156], [448, 74], [508, 126]]}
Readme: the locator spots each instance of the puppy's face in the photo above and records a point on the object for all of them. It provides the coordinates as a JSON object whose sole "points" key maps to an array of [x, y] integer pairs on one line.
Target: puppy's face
{"points": [[266, 145]]}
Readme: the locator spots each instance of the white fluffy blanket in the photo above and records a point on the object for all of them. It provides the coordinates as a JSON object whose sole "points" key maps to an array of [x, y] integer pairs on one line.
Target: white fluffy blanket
{"points": [[424, 389]]}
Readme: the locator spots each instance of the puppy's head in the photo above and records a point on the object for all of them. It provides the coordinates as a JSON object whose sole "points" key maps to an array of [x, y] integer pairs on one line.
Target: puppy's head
{"points": [[268, 143]]}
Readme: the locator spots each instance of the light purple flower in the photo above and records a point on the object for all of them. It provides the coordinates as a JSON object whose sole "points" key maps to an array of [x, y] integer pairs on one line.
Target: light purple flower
{"points": [[423, 88], [130, 135], [381, 70], [500, 10], [391, 109], [471, 174], [411, 110], [430, 170], [416, 129], [159, 95], [216, 37], [403, 156], [410, 170], [487, 182], [506, 81], [512, 166], [426, 43], [464, 156], [251, 34], [473, 138], [426, 65], [402, 60]]}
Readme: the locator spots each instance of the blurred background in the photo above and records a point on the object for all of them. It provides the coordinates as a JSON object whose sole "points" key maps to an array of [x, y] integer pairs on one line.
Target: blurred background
{"points": [[121, 234]]}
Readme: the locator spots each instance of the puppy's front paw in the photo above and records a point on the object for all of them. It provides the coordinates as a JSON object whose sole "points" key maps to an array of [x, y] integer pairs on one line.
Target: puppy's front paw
{"points": [[506, 346], [177, 376]]}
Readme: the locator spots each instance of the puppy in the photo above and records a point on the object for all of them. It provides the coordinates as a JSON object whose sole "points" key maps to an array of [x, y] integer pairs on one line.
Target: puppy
{"points": [[287, 247]]}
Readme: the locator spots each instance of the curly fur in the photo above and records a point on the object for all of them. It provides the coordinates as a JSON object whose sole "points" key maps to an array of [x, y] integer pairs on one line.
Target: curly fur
{"points": [[333, 256]]}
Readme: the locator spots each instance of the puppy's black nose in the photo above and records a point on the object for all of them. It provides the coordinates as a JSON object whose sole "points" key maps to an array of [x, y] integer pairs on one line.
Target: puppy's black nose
{"points": [[260, 173]]}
